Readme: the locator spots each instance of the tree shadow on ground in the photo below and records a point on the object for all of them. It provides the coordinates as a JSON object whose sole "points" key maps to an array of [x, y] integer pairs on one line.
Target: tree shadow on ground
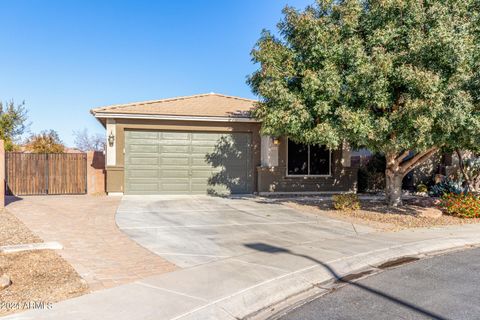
{"points": [[263, 247]]}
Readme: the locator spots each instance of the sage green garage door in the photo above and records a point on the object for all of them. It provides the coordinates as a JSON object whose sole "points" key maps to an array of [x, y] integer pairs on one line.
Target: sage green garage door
{"points": [[166, 162]]}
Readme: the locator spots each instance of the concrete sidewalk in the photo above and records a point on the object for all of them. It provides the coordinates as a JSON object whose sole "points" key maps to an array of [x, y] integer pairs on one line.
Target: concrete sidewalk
{"points": [[255, 284]]}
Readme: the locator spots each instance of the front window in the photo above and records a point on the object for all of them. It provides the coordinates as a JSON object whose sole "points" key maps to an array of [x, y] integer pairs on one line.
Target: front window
{"points": [[308, 160]]}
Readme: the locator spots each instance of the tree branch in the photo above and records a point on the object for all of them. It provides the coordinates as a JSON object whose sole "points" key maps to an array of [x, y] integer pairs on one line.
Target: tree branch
{"points": [[417, 159], [402, 156]]}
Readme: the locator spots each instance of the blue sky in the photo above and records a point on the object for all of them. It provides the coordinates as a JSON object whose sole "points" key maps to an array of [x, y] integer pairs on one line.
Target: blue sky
{"points": [[65, 57]]}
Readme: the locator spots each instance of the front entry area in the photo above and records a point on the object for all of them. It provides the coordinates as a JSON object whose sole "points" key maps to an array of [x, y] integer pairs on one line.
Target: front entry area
{"points": [[180, 162]]}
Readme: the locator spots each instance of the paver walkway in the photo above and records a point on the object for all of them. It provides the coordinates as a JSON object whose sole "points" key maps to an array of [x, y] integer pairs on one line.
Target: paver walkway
{"points": [[93, 245]]}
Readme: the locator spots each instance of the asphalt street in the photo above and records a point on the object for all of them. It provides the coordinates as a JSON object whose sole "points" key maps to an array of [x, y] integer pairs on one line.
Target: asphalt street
{"points": [[442, 287]]}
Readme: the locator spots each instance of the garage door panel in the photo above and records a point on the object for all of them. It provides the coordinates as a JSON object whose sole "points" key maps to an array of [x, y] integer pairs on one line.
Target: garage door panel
{"points": [[143, 134], [143, 148], [202, 150], [187, 162], [145, 173], [204, 175], [145, 141], [175, 136], [175, 186], [139, 160], [171, 143], [143, 186], [198, 136], [174, 161], [199, 161], [165, 149], [174, 172]]}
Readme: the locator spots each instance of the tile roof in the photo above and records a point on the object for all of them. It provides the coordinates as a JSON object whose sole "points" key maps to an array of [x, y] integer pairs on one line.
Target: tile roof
{"points": [[201, 105]]}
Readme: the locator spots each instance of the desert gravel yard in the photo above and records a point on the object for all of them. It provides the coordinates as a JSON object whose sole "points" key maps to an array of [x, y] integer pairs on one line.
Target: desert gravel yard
{"points": [[37, 276], [375, 213]]}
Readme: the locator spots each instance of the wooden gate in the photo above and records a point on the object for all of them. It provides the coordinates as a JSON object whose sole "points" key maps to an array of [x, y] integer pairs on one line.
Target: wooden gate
{"points": [[51, 173]]}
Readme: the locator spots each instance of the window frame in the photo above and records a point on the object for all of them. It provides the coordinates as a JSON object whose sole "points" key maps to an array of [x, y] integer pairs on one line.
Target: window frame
{"points": [[308, 166]]}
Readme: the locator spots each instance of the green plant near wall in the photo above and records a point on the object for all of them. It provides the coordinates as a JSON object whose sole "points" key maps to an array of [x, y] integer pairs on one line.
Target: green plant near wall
{"points": [[348, 202]]}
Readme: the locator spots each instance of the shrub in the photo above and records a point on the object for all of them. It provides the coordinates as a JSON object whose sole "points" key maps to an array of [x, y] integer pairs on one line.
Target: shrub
{"points": [[422, 188], [461, 205], [445, 187], [347, 201]]}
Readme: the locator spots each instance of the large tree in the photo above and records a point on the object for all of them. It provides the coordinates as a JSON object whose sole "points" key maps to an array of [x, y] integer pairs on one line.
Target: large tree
{"points": [[13, 122], [47, 141], [86, 142], [399, 77]]}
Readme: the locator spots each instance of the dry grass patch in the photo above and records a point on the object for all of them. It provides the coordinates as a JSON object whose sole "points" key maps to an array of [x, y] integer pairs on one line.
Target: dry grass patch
{"points": [[378, 215], [37, 276]]}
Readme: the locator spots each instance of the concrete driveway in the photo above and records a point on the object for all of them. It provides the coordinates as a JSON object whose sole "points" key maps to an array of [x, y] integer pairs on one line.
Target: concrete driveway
{"points": [[242, 258], [193, 230]]}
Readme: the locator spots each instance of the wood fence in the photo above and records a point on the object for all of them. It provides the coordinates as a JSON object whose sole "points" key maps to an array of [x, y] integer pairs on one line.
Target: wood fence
{"points": [[51, 173]]}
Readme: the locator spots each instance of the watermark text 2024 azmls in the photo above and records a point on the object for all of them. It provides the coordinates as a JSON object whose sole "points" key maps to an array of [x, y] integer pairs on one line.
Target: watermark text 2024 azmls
{"points": [[25, 305]]}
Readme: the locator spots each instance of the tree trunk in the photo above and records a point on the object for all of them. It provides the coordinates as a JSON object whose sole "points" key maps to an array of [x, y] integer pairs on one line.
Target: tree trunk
{"points": [[467, 183], [397, 168], [393, 191]]}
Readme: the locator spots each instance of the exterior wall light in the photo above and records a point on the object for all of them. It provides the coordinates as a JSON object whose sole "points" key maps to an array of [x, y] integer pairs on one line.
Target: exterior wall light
{"points": [[111, 139], [276, 141]]}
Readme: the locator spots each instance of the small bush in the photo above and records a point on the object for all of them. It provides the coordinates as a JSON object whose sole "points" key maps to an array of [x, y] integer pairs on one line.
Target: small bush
{"points": [[461, 205], [422, 188], [445, 187], [348, 201]]}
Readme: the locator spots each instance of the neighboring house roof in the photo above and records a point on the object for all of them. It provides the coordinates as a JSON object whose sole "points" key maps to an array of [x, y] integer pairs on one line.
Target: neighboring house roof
{"points": [[201, 105]]}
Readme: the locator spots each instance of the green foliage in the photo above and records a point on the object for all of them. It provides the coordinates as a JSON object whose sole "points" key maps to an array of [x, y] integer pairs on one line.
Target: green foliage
{"points": [[12, 123], [448, 186], [391, 76], [422, 188], [371, 177], [461, 205], [347, 202], [45, 142]]}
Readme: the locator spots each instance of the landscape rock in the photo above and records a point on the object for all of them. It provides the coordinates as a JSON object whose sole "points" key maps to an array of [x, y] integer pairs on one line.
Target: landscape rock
{"points": [[432, 213], [5, 281], [425, 202]]}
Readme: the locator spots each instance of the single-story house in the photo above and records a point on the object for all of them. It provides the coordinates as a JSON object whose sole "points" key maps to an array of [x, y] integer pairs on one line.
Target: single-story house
{"points": [[209, 143]]}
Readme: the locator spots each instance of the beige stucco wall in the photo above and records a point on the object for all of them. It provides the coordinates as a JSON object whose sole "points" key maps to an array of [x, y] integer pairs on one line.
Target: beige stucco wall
{"points": [[95, 172], [115, 174]]}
